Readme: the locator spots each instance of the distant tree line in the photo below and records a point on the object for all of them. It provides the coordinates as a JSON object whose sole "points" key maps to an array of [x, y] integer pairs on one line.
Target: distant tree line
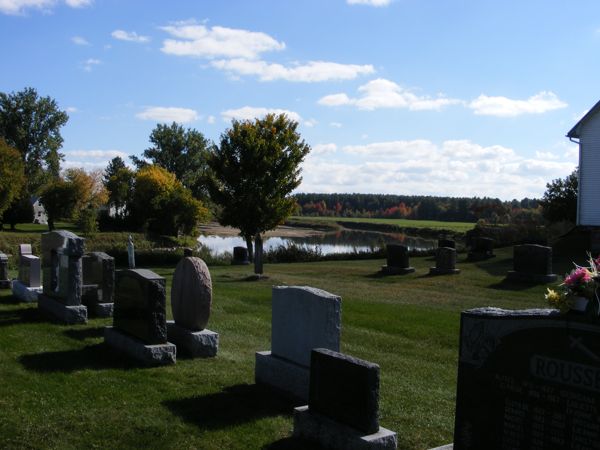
{"points": [[452, 209]]}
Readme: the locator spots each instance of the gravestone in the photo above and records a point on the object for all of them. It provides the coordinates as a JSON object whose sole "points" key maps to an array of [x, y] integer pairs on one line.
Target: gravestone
{"points": [[4, 279], [481, 248], [303, 318], [27, 286], [240, 256], [527, 380], [139, 320], [343, 405], [397, 260], [450, 243], [532, 263], [191, 299], [98, 283], [62, 272], [445, 262]]}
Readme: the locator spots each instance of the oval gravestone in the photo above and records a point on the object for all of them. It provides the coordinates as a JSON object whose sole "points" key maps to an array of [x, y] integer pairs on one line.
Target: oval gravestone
{"points": [[191, 294]]}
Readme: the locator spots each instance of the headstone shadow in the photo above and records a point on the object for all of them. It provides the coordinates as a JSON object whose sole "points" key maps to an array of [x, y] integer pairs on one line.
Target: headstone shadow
{"points": [[94, 357], [19, 316], [509, 285], [10, 300], [85, 333], [234, 405]]}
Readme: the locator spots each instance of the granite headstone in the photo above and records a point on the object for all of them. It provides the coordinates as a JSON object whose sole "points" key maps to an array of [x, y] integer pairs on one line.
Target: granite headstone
{"points": [[240, 256], [527, 380], [445, 262], [481, 248], [4, 279], [532, 262], [397, 260]]}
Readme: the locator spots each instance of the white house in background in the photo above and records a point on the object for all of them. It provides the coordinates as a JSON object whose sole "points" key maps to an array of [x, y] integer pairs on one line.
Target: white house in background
{"points": [[587, 133], [39, 212]]}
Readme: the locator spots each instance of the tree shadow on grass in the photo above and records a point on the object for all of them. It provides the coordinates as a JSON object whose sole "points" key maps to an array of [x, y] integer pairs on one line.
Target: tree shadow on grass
{"points": [[94, 357], [10, 300], [19, 316], [234, 405]]}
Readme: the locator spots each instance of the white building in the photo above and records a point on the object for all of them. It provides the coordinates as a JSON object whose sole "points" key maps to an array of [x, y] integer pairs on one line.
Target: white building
{"points": [[587, 133]]}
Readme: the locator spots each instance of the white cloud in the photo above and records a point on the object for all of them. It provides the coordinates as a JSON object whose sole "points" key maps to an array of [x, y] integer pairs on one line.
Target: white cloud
{"points": [[193, 39], [168, 114], [251, 113], [313, 71], [90, 63], [15, 7], [211, 119], [335, 124], [454, 168], [96, 154], [505, 107], [310, 122], [369, 2], [130, 36], [78, 40], [71, 109], [546, 155], [382, 93]]}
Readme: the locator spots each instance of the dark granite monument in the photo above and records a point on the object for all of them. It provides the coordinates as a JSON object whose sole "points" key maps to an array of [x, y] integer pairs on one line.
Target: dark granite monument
{"points": [[445, 262], [532, 263], [62, 272], [140, 319], [481, 248], [446, 243], [527, 380], [191, 299], [98, 283], [397, 260], [4, 279], [343, 405], [240, 256]]}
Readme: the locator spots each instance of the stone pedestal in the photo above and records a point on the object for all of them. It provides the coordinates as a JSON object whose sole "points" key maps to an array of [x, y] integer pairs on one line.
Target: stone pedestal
{"points": [[30, 271], [203, 344], [284, 375], [148, 354], [331, 434], [69, 314], [24, 292]]}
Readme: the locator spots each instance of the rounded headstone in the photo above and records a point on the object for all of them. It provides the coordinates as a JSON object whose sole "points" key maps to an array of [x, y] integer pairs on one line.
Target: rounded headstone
{"points": [[240, 255], [191, 294], [446, 243]]}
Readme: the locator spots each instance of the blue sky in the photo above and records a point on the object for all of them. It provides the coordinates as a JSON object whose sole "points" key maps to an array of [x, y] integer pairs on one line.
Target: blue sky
{"points": [[446, 97]]}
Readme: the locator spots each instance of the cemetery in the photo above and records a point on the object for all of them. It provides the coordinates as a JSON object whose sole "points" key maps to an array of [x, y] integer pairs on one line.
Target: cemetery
{"points": [[126, 379]]}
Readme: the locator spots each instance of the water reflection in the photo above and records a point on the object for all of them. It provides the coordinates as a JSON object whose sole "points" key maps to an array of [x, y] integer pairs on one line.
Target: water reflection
{"points": [[327, 243]]}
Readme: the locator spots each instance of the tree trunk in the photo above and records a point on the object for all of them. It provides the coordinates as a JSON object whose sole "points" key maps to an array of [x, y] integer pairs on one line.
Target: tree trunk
{"points": [[258, 264], [249, 247], [50, 223]]}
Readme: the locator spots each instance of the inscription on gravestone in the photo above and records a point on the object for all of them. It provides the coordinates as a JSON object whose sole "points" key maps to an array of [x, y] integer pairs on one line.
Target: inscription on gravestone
{"points": [[527, 380]]}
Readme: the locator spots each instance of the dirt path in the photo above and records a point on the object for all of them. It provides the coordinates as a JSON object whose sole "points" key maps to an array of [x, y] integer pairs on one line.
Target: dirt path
{"points": [[214, 228]]}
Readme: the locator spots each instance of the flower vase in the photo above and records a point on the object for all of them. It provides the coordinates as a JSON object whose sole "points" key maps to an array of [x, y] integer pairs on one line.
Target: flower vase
{"points": [[579, 304]]}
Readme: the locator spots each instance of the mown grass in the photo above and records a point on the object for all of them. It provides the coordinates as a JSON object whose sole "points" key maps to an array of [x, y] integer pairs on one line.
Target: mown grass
{"points": [[62, 388], [457, 227]]}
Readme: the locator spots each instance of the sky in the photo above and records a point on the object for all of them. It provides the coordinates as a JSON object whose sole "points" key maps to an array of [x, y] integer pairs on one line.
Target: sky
{"points": [[416, 97]]}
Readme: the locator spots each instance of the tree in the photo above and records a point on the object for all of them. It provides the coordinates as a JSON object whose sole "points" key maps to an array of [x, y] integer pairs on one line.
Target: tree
{"points": [[90, 194], [21, 211], [12, 176], [181, 152], [253, 172], [560, 199], [163, 205], [31, 124], [59, 198], [118, 181]]}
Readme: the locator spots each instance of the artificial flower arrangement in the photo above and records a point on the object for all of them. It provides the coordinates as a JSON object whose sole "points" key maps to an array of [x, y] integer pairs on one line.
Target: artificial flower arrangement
{"points": [[578, 290]]}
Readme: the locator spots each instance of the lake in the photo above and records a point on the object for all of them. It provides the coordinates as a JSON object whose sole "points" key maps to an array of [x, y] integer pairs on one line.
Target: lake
{"points": [[328, 243]]}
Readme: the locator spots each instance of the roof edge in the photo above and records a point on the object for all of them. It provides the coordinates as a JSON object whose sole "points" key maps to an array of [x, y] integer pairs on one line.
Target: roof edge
{"points": [[574, 132]]}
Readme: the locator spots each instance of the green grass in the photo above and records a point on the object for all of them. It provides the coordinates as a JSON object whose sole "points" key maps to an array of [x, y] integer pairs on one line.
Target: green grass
{"points": [[458, 227], [62, 388]]}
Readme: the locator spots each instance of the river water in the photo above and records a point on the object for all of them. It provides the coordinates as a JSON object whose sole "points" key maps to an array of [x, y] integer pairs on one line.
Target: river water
{"points": [[327, 243]]}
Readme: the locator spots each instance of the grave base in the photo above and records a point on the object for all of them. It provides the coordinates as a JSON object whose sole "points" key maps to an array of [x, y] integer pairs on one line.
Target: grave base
{"points": [[203, 344], [4, 284], [103, 309], [436, 271], [513, 275], [288, 377], [444, 447], [69, 314], [391, 270], [151, 355], [331, 434], [25, 293], [240, 263]]}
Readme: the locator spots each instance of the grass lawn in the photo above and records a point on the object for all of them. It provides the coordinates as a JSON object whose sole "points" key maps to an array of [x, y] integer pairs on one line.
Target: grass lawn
{"points": [[457, 227], [62, 388]]}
